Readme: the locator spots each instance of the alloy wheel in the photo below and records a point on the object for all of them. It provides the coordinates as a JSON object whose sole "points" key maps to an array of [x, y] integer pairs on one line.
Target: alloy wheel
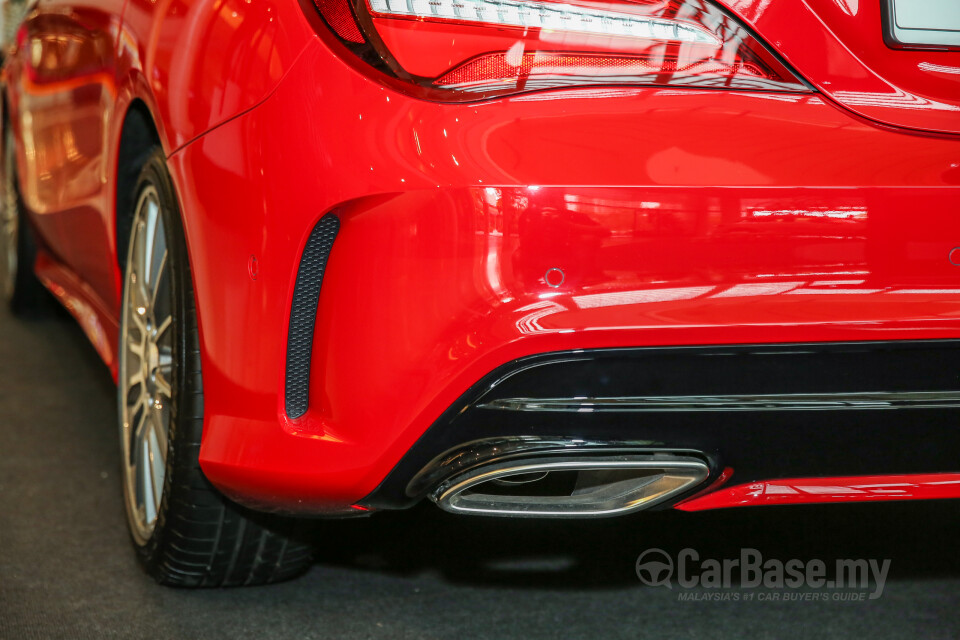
{"points": [[146, 365], [9, 230]]}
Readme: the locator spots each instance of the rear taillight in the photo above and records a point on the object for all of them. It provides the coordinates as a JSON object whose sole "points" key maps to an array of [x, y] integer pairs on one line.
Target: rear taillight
{"points": [[469, 49]]}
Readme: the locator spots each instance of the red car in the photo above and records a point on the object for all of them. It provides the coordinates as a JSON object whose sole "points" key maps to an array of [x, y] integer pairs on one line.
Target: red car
{"points": [[557, 258]]}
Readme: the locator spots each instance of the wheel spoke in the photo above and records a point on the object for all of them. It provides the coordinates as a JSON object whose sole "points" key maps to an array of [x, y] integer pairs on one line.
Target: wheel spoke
{"points": [[135, 347], [149, 239], [137, 298], [160, 434], [9, 259], [136, 476], [140, 427], [139, 241], [138, 319], [156, 466], [134, 383], [163, 386], [146, 473], [155, 280], [140, 268], [161, 327], [130, 408]]}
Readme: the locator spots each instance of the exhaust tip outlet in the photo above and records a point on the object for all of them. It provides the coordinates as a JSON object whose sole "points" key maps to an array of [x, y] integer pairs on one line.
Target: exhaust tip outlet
{"points": [[570, 486]]}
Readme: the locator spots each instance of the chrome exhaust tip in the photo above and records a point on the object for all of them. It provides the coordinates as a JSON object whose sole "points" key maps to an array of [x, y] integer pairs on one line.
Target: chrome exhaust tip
{"points": [[585, 486]]}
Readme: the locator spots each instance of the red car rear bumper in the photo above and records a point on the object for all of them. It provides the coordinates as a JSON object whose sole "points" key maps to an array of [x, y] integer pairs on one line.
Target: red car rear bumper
{"points": [[476, 234], [930, 486]]}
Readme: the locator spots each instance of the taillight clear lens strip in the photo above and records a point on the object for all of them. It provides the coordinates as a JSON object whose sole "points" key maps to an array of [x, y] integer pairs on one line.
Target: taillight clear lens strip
{"points": [[456, 50], [545, 15]]}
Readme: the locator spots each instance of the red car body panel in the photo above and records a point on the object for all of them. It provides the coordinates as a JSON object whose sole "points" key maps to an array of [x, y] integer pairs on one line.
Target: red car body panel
{"points": [[676, 216], [931, 486], [838, 47], [204, 62]]}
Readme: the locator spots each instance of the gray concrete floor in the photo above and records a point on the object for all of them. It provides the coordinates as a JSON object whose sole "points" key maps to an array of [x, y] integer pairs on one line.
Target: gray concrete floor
{"points": [[66, 569]]}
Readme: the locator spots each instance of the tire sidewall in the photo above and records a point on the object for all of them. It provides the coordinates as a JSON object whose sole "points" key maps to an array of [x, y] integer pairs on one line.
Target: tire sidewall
{"points": [[155, 173]]}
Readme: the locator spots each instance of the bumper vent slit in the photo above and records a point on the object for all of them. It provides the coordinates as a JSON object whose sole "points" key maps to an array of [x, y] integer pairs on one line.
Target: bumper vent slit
{"points": [[303, 313]]}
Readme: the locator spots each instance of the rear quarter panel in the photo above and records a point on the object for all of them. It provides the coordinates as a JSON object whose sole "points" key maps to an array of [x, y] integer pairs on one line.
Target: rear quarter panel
{"points": [[77, 68], [62, 99]]}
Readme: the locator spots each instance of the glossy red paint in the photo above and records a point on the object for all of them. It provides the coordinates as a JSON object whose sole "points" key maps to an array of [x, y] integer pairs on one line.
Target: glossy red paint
{"points": [[745, 245], [838, 46], [923, 486], [713, 487], [678, 216], [66, 98], [198, 63], [78, 68]]}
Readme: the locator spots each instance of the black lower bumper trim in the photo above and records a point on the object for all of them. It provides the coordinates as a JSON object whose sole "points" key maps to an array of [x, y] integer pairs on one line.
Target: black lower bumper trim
{"points": [[917, 382]]}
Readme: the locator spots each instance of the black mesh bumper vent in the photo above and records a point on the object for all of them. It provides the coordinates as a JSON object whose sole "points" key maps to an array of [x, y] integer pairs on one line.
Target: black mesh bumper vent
{"points": [[303, 313]]}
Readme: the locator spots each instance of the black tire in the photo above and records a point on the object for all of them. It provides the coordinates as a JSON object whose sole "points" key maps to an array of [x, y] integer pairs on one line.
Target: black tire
{"points": [[199, 538], [19, 286]]}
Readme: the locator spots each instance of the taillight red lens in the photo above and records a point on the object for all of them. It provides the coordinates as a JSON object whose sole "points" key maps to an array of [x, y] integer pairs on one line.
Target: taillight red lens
{"points": [[338, 15], [465, 49]]}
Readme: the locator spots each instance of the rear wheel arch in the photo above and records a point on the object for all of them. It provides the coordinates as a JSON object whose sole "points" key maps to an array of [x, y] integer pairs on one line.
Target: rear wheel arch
{"points": [[139, 137], [191, 535]]}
